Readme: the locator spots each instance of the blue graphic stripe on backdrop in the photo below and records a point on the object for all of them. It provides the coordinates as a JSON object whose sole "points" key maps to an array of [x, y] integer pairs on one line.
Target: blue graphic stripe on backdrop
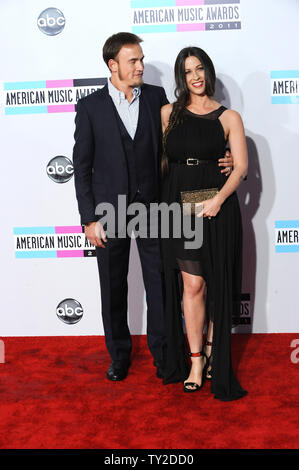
{"points": [[27, 110], [170, 28], [285, 99], [285, 74], [287, 224], [152, 3], [287, 249], [36, 254], [32, 230], [24, 85]]}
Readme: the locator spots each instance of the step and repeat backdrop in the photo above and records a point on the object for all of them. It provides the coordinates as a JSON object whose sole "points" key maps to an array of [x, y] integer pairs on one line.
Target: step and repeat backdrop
{"points": [[51, 56]]}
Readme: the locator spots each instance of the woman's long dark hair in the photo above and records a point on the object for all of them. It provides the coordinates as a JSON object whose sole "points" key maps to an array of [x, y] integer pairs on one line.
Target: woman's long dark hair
{"points": [[182, 93]]}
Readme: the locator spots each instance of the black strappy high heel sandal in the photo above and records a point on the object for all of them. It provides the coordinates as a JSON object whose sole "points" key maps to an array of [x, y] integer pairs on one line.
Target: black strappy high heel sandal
{"points": [[209, 361], [194, 384]]}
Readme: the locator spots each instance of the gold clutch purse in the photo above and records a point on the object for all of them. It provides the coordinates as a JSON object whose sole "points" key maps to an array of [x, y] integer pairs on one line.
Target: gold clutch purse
{"points": [[196, 197]]}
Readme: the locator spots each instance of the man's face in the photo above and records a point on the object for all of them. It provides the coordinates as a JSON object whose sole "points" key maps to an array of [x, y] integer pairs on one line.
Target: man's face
{"points": [[128, 65]]}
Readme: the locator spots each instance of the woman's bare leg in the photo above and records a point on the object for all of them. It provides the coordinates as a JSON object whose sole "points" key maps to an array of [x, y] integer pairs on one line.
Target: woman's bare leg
{"points": [[194, 315]]}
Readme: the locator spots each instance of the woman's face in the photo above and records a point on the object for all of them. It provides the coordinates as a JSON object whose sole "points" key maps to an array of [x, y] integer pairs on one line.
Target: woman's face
{"points": [[195, 76]]}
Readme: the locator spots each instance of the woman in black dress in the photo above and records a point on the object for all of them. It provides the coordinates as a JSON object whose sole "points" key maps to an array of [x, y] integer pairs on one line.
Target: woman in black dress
{"points": [[207, 279]]}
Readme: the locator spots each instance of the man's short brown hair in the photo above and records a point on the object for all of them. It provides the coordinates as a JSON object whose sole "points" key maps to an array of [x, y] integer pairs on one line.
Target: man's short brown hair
{"points": [[114, 44]]}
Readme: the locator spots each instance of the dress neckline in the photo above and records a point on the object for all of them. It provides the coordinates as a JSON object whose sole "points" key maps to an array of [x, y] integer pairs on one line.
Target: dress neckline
{"points": [[206, 114]]}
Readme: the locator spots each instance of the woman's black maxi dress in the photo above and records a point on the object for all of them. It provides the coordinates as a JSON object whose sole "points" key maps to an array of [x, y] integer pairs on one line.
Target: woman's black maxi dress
{"points": [[218, 261]]}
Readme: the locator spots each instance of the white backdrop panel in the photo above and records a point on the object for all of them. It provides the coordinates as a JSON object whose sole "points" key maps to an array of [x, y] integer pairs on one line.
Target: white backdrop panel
{"points": [[244, 59]]}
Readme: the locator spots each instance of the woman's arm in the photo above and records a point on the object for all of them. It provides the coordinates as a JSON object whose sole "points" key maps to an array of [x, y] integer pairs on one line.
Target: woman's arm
{"points": [[236, 135], [237, 141], [165, 114]]}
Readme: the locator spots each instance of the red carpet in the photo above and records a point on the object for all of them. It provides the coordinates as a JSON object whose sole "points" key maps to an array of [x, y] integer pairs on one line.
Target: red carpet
{"points": [[54, 395]]}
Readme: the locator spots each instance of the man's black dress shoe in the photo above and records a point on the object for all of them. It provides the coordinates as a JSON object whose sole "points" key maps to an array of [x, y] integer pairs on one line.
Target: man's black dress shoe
{"points": [[160, 369], [117, 371]]}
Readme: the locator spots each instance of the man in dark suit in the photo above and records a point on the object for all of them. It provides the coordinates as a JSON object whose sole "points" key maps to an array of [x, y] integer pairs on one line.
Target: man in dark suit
{"points": [[116, 152]]}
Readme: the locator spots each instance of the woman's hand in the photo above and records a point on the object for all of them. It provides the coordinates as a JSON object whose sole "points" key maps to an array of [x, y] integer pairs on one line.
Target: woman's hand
{"points": [[210, 207]]}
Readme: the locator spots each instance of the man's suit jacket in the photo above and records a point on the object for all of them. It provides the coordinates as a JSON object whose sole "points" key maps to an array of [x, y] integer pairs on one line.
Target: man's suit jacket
{"points": [[99, 160]]}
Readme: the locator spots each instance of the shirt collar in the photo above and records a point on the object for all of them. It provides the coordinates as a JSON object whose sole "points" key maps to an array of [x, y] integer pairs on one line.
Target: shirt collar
{"points": [[119, 96]]}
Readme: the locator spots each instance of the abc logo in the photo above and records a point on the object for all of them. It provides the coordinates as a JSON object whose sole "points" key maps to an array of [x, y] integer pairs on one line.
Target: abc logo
{"points": [[60, 169], [51, 21], [69, 311]]}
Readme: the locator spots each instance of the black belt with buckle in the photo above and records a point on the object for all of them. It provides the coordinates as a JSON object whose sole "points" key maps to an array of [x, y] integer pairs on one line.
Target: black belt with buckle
{"points": [[193, 161]]}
